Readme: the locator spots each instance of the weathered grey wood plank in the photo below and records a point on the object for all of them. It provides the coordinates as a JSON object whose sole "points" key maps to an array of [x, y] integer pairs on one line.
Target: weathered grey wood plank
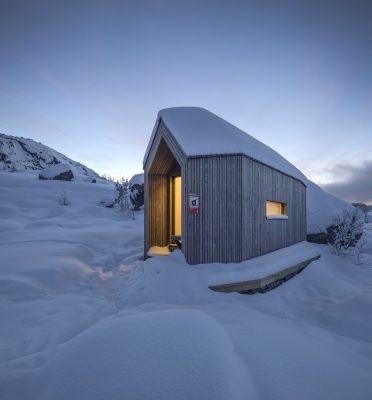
{"points": [[265, 283]]}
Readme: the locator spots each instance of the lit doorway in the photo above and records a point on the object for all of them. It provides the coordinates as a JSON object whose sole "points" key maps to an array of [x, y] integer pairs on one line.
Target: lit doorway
{"points": [[176, 208]]}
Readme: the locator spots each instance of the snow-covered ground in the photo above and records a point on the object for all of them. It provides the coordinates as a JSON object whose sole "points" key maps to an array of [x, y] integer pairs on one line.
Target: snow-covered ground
{"points": [[82, 317]]}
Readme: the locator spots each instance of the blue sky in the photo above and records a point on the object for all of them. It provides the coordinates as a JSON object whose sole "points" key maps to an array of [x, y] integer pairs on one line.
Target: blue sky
{"points": [[88, 78]]}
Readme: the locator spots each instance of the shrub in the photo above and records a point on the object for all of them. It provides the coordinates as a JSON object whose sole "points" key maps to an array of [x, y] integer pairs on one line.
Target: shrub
{"points": [[124, 196], [136, 195], [345, 233], [63, 200]]}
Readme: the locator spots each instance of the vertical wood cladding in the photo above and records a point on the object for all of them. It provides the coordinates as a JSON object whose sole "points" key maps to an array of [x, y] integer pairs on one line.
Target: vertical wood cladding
{"points": [[262, 235], [214, 235], [158, 215], [231, 225]]}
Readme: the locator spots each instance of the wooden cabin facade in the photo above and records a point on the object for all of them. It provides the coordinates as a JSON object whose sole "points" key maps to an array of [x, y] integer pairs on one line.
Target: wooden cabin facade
{"points": [[224, 207]]}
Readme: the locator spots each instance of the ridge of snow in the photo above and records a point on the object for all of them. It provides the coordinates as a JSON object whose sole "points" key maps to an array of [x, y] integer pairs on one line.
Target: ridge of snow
{"points": [[322, 208], [200, 132], [24, 154]]}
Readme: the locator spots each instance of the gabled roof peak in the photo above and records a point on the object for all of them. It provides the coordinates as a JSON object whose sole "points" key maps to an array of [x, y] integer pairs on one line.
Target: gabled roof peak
{"points": [[200, 132]]}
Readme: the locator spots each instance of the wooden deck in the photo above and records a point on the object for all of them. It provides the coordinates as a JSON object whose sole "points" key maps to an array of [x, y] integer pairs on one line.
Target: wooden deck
{"points": [[266, 283]]}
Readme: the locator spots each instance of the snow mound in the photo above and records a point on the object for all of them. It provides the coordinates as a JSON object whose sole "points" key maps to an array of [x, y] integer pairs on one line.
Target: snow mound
{"points": [[259, 267], [199, 132], [166, 279], [60, 171], [355, 308], [173, 354], [137, 179], [322, 208], [107, 201]]}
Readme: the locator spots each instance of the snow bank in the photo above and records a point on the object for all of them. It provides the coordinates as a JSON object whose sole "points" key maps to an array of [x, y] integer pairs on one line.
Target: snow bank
{"points": [[107, 201], [198, 132], [173, 354], [166, 279], [171, 279], [322, 208], [137, 179], [258, 267], [355, 308], [183, 283]]}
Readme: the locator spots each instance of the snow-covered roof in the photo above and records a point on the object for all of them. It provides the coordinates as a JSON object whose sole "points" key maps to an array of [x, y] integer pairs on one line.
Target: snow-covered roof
{"points": [[200, 132]]}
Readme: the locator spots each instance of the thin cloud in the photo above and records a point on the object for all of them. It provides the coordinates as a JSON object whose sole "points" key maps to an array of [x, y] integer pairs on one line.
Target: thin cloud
{"points": [[352, 183]]}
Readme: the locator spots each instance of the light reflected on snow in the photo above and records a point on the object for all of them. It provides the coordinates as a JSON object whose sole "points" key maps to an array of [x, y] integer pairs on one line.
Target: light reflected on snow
{"points": [[86, 269], [126, 267]]}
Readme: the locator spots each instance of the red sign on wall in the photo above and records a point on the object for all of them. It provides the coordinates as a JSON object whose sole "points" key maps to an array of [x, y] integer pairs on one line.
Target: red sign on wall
{"points": [[193, 205]]}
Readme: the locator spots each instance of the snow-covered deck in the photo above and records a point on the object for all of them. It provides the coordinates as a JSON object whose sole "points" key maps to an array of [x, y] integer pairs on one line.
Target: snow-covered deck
{"points": [[261, 273]]}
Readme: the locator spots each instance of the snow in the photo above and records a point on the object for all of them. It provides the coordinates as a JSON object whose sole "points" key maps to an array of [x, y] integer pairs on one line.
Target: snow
{"points": [[24, 154], [322, 208], [259, 267], [107, 201], [137, 179], [188, 345], [200, 132], [54, 170], [158, 251], [279, 216], [82, 316]]}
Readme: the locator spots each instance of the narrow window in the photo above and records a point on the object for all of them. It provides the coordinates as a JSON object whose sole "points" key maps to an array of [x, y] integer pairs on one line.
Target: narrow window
{"points": [[276, 210]]}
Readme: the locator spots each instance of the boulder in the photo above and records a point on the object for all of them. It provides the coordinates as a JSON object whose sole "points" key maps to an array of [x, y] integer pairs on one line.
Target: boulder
{"points": [[61, 172], [107, 201], [136, 187]]}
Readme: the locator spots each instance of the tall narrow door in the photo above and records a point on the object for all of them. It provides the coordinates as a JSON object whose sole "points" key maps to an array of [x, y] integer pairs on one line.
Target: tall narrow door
{"points": [[177, 206]]}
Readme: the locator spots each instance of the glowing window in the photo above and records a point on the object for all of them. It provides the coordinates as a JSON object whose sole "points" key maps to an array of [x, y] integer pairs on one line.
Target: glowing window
{"points": [[276, 210]]}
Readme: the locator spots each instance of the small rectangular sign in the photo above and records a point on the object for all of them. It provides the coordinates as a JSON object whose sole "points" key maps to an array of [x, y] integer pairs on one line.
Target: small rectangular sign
{"points": [[193, 205]]}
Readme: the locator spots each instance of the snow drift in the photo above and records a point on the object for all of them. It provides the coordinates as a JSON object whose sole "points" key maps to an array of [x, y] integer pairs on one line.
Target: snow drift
{"points": [[82, 317], [322, 208], [134, 356]]}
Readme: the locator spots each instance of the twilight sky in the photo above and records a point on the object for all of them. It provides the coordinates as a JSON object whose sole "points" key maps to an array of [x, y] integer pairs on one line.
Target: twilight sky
{"points": [[88, 77]]}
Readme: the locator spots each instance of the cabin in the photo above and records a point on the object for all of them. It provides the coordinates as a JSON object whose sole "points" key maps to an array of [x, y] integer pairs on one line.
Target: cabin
{"points": [[216, 192]]}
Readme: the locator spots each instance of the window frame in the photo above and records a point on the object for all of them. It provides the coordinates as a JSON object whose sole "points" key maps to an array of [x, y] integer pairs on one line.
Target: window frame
{"points": [[282, 216]]}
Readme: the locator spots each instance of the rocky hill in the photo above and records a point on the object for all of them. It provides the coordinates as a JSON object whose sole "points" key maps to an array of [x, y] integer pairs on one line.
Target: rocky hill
{"points": [[20, 154]]}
